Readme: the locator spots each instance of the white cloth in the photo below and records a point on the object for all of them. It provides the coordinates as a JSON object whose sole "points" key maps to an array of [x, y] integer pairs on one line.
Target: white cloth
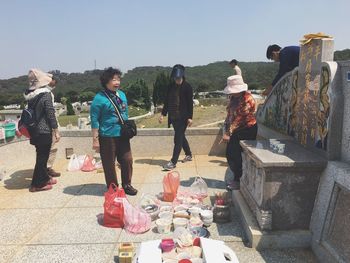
{"points": [[237, 70]]}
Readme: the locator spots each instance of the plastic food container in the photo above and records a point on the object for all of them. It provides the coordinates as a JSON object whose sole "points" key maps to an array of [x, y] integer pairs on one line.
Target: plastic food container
{"points": [[167, 245], [181, 208], [166, 215], [196, 222], [195, 211], [196, 252], [180, 222], [152, 210], [163, 226], [207, 214], [181, 214], [208, 222], [166, 208]]}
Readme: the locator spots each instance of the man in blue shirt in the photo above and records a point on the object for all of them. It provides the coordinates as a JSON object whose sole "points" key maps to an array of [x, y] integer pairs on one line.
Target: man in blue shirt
{"points": [[288, 57]]}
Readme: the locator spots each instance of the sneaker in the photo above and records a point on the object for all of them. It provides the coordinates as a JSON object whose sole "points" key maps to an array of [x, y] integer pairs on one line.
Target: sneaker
{"points": [[39, 189], [188, 158], [53, 173], [129, 190], [169, 166], [233, 186]]}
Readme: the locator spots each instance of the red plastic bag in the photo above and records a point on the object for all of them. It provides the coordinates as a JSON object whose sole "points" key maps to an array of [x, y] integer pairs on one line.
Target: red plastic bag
{"points": [[113, 207], [171, 183], [23, 131], [89, 164]]}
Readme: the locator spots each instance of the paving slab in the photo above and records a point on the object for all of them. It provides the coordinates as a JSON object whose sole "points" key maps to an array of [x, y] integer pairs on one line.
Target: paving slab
{"points": [[76, 253], [49, 199], [18, 226], [206, 160], [7, 252], [76, 226], [248, 255], [90, 195]]}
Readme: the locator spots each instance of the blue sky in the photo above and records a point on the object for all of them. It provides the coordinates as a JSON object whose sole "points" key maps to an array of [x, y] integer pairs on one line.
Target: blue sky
{"points": [[70, 35]]}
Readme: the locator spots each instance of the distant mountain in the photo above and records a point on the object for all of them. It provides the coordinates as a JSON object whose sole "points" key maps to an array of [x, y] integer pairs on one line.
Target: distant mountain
{"points": [[258, 74], [213, 76]]}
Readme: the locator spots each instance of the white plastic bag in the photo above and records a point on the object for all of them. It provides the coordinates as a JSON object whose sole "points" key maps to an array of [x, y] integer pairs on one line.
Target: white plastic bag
{"points": [[199, 187], [74, 163]]}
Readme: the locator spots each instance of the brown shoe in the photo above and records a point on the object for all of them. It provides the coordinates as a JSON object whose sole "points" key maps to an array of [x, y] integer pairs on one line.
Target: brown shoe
{"points": [[129, 190], [39, 189], [53, 173]]}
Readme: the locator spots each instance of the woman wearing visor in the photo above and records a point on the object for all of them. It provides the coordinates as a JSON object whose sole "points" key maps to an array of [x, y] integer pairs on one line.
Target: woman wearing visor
{"points": [[179, 107]]}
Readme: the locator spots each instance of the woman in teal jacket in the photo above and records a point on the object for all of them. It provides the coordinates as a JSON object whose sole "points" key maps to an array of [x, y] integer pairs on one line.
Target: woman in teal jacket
{"points": [[106, 128]]}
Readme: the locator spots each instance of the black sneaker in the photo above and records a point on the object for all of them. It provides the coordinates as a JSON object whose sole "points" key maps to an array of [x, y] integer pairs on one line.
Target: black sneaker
{"points": [[129, 190], [169, 166], [188, 158]]}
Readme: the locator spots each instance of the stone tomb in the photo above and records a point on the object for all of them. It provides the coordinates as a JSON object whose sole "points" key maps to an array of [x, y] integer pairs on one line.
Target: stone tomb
{"points": [[278, 192]]}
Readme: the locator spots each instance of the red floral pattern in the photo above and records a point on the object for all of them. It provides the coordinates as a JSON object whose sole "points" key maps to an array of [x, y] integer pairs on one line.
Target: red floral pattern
{"points": [[240, 115]]}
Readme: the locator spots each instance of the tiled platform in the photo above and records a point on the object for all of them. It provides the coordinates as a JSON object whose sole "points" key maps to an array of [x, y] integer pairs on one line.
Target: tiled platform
{"points": [[62, 225]]}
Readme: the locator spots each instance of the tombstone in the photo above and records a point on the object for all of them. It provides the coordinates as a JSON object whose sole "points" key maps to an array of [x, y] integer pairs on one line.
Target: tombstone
{"points": [[301, 198]]}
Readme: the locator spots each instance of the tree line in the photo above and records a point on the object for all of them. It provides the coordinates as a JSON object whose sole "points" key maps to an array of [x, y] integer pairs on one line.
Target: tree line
{"points": [[139, 83]]}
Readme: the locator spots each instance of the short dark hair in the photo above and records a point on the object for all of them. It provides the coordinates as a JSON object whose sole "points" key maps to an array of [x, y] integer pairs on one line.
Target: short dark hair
{"points": [[108, 75], [272, 48], [233, 62]]}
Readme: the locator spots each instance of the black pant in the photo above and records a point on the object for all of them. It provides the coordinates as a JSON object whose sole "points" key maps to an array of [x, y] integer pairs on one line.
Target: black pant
{"points": [[234, 149], [111, 148], [42, 144], [180, 140]]}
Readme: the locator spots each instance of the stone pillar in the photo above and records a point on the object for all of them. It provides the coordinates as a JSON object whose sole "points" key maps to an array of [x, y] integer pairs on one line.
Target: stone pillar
{"points": [[312, 55]]}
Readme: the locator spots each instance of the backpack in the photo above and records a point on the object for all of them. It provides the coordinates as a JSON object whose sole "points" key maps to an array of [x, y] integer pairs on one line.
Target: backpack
{"points": [[28, 123]]}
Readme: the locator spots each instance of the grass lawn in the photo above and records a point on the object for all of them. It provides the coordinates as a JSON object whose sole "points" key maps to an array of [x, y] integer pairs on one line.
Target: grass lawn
{"points": [[201, 115], [64, 120]]}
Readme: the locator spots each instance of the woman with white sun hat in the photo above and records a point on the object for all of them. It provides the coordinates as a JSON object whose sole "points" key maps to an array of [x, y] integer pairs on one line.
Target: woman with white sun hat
{"points": [[240, 124]]}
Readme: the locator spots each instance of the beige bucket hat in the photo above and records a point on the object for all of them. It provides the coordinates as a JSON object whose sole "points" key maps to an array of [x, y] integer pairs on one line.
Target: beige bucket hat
{"points": [[38, 79], [235, 84]]}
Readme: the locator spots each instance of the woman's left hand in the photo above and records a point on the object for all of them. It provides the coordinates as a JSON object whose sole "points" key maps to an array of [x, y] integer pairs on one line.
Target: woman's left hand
{"points": [[225, 138], [189, 122]]}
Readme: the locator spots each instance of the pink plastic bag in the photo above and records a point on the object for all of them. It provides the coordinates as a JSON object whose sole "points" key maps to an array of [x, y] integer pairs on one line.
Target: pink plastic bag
{"points": [[135, 220], [89, 164], [171, 183]]}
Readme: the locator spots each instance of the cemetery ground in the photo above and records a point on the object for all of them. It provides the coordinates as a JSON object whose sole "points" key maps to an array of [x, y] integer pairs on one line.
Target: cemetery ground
{"points": [[201, 115], [62, 225]]}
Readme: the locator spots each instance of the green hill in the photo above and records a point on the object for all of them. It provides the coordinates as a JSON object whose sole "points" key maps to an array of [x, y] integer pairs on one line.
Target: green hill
{"points": [[213, 76]]}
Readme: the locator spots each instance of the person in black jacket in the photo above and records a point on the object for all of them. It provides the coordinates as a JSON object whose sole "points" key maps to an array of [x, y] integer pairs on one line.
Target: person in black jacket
{"points": [[39, 99], [288, 57], [179, 106]]}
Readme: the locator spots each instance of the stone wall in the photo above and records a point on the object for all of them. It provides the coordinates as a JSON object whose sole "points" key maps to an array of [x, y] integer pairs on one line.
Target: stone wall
{"points": [[330, 224], [307, 103], [343, 81], [148, 142]]}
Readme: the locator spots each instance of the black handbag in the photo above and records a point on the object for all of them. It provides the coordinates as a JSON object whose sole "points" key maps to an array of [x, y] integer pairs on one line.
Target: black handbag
{"points": [[128, 127]]}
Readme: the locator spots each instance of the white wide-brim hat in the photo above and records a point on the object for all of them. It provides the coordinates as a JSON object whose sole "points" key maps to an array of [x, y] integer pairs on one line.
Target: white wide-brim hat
{"points": [[38, 79], [235, 84]]}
